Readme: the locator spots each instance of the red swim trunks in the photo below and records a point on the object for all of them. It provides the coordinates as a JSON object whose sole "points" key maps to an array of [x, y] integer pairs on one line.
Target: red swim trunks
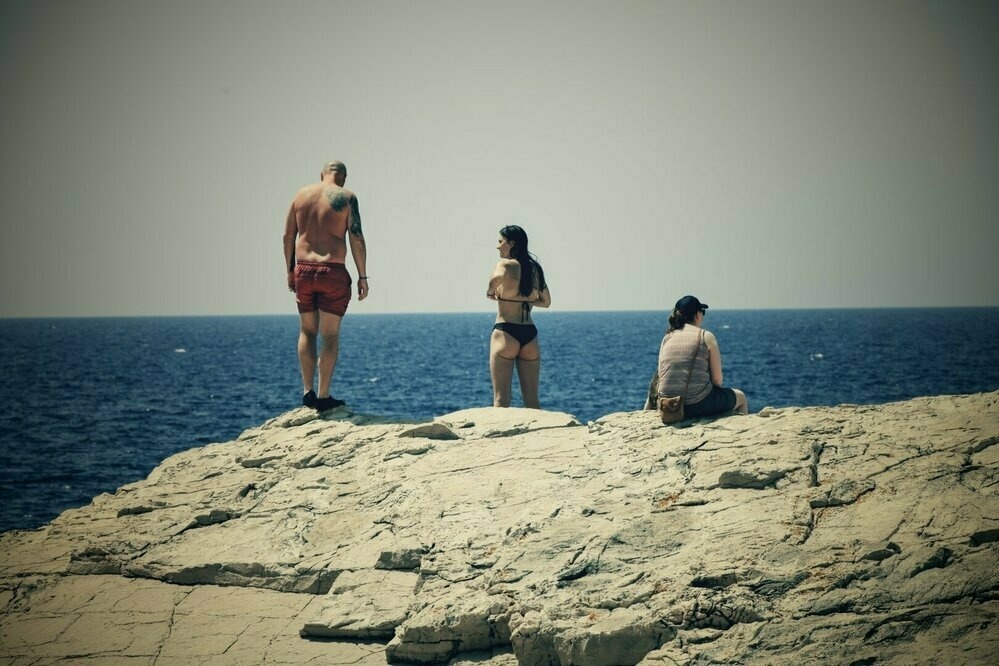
{"points": [[322, 286]]}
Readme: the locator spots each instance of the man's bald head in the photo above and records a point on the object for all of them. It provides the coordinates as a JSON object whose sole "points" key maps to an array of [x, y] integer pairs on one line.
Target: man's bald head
{"points": [[335, 166]]}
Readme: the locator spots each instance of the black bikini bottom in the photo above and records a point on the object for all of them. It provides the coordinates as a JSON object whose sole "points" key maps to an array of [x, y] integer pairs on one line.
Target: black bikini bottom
{"points": [[522, 333]]}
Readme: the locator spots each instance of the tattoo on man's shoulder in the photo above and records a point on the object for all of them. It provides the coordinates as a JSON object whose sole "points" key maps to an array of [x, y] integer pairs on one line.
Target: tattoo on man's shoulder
{"points": [[354, 218], [337, 198]]}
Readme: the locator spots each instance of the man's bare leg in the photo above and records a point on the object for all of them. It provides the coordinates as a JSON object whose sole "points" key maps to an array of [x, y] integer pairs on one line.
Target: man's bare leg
{"points": [[502, 354], [529, 373], [307, 349], [329, 332]]}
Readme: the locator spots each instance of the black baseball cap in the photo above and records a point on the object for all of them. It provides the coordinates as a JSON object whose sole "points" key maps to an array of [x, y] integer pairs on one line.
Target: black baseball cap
{"points": [[689, 305]]}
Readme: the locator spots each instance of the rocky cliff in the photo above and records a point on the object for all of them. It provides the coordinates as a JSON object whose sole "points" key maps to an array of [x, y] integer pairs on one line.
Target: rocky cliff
{"points": [[846, 535]]}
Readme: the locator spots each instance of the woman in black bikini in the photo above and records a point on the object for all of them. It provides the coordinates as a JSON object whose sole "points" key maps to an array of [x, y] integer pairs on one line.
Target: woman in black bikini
{"points": [[517, 284]]}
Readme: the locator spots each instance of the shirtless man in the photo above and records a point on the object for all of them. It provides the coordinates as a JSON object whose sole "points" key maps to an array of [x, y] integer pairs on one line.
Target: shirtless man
{"points": [[319, 218]]}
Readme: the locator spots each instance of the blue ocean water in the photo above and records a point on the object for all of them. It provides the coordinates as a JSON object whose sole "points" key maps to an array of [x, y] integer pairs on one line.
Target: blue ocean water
{"points": [[91, 404]]}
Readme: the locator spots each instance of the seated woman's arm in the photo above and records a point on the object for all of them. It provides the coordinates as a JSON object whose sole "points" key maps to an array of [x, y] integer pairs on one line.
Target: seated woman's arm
{"points": [[714, 358]]}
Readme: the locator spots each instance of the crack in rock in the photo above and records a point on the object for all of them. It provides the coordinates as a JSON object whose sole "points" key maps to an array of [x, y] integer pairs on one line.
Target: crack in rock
{"points": [[753, 479]]}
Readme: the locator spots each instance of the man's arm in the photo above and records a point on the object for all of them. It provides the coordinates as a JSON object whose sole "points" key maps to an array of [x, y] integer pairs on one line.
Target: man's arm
{"points": [[358, 248], [290, 234]]}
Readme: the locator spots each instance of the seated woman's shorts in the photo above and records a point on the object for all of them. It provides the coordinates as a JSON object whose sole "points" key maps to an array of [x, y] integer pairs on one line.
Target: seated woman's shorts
{"points": [[719, 401]]}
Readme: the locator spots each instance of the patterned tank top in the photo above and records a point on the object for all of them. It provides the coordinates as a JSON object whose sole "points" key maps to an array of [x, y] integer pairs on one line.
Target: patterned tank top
{"points": [[675, 354]]}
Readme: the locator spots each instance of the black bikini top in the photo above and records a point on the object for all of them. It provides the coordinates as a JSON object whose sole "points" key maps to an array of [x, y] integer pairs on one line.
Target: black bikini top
{"points": [[525, 306]]}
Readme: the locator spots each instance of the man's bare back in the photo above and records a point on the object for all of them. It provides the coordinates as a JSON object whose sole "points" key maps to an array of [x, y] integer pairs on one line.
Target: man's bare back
{"points": [[321, 213]]}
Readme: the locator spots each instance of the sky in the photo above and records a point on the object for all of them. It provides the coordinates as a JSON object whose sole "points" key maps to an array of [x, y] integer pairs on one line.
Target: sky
{"points": [[757, 154]]}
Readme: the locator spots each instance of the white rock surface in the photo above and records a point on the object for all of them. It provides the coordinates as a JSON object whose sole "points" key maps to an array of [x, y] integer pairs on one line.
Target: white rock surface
{"points": [[855, 534]]}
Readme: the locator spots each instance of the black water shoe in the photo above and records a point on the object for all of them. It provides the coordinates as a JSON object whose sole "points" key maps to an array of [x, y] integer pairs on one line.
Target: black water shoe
{"points": [[326, 404], [309, 399]]}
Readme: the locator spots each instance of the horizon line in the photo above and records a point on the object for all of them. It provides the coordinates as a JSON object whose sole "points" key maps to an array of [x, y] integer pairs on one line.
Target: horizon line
{"points": [[485, 312]]}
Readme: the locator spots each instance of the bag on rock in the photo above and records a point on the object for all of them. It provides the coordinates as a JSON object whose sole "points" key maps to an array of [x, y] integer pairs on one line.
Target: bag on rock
{"points": [[671, 409]]}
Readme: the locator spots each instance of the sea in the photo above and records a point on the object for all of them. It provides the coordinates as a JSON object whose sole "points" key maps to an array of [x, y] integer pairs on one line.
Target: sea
{"points": [[91, 404]]}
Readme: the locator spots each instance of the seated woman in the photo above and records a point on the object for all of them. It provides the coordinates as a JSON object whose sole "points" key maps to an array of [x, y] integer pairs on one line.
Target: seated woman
{"points": [[687, 341], [517, 284]]}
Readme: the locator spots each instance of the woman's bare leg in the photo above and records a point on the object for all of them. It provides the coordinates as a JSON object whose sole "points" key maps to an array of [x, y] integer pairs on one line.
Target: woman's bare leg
{"points": [[529, 373], [502, 353]]}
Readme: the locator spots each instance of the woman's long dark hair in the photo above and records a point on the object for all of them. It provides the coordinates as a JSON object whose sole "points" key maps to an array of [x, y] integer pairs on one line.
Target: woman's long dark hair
{"points": [[677, 320], [528, 262]]}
